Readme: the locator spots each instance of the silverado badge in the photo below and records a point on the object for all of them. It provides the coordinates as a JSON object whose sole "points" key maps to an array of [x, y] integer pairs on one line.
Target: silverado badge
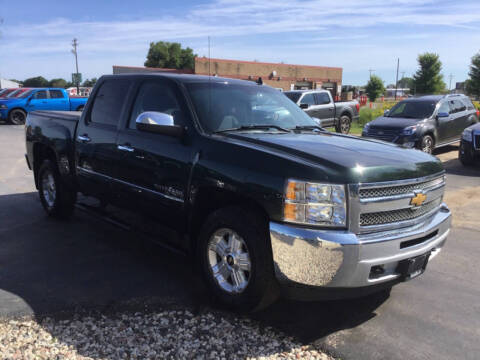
{"points": [[418, 199]]}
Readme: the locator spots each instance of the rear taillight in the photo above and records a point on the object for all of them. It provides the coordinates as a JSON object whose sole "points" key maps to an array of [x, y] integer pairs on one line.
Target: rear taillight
{"points": [[478, 113], [357, 105]]}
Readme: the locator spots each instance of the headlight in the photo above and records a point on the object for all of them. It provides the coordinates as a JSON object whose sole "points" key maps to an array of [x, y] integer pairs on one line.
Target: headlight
{"points": [[467, 134], [3, 106], [315, 204], [366, 128], [409, 130]]}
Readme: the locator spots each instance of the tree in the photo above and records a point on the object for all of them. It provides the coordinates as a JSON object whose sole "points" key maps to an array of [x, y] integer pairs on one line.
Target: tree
{"points": [[406, 83], [38, 81], [90, 82], [428, 79], [58, 83], [473, 84], [374, 88], [170, 55]]}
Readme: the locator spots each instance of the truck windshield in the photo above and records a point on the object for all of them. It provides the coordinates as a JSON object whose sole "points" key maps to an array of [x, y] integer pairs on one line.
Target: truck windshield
{"points": [[293, 95], [412, 109], [223, 106]]}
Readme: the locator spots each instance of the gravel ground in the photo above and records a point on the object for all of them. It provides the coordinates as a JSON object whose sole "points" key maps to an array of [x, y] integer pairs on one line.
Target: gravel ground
{"points": [[173, 334]]}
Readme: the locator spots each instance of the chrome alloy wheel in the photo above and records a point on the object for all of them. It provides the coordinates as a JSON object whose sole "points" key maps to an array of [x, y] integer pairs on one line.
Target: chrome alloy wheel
{"points": [[229, 260], [48, 188]]}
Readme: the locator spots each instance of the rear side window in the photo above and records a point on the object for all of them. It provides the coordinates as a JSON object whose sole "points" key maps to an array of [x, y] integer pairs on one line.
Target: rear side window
{"points": [[40, 94], [323, 98], [308, 99], [468, 103], [56, 94], [109, 100], [459, 106]]}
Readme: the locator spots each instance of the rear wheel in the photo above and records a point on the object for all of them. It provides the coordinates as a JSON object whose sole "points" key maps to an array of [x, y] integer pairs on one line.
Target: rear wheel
{"points": [[236, 259], [427, 144], [344, 124], [17, 117], [465, 154], [80, 108], [57, 199]]}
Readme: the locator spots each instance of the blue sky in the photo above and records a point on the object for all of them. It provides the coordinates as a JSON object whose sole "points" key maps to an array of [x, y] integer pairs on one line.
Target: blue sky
{"points": [[355, 35]]}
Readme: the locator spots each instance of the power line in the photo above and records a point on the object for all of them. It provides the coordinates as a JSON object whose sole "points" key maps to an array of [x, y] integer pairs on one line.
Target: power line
{"points": [[450, 84]]}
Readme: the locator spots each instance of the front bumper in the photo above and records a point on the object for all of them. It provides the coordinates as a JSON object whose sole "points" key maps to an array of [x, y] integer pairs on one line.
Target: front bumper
{"points": [[339, 263]]}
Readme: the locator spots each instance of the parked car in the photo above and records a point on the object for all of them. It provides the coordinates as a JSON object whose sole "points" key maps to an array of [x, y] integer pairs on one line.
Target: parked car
{"points": [[5, 92], [239, 177], [320, 105], [425, 123], [15, 109], [469, 149]]}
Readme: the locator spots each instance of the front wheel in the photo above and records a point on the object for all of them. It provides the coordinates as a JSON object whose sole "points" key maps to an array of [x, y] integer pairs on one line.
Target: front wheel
{"points": [[17, 117], [344, 124], [236, 259], [427, 144], [57, 199]]}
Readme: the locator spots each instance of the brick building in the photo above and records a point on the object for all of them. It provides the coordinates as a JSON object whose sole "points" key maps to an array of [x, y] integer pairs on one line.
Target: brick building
{"points": [[277, 75]]}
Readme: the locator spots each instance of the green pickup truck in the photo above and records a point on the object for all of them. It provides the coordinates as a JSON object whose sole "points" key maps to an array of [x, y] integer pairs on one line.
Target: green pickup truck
{"points": [[263, 199]]}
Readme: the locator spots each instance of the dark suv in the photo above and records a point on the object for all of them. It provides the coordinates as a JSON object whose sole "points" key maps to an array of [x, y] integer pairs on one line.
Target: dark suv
{"points": [[425, 122]]}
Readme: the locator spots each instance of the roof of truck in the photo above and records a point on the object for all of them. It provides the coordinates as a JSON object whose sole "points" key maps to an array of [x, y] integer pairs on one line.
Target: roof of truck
{"points": [[184, 78]]}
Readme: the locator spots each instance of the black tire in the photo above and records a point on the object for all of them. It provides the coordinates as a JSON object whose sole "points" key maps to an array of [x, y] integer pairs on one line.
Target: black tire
{"points": [[17, 117], [58, 202], [343, 125], [262, 288], [426, 144], [465, 154], [80, 108]]}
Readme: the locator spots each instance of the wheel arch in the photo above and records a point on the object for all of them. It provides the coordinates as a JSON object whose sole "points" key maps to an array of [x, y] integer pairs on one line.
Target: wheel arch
{"points": [[209, 199], [41, 152]]}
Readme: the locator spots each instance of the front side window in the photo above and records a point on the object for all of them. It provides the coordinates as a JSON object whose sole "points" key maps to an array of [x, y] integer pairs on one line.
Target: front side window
{"points": [[109, 100], [155, 96], [444, 108], [308, 99], [221, 106], [42, 94], [459, 106]]}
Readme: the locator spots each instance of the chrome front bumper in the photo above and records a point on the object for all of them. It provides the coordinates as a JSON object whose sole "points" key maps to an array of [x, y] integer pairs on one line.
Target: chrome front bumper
{"points": [[334, 259]]}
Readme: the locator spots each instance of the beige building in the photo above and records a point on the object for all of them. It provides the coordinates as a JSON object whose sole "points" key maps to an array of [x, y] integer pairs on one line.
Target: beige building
{"points": [[277, 75]]}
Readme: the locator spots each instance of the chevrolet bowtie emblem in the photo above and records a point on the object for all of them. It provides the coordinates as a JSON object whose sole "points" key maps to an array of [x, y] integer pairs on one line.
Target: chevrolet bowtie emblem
{"points": [[418, 199]]}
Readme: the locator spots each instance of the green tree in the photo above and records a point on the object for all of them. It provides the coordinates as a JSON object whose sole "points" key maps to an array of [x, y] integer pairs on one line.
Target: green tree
{"points": [[170, 55], [17, 81], [406, 83], [473, 84], [58, 83], [374, 88], [38, 81], [428, 79], [90, 82]]}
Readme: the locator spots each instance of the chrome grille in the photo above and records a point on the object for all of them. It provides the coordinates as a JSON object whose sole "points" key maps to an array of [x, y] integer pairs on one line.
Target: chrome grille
{"points": [[395, 216], [377, 192]]}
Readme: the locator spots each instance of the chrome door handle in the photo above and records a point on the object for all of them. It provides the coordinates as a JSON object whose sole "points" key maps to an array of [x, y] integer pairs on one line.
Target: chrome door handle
{"points": [[83, 138], [125, 148]]}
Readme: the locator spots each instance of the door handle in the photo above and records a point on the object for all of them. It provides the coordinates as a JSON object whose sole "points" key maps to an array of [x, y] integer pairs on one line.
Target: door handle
{"points": [[125, 148], [330, 109], [83, 138]]}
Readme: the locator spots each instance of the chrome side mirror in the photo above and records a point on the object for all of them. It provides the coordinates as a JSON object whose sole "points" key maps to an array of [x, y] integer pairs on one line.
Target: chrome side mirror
{"points": [[158, 122]]}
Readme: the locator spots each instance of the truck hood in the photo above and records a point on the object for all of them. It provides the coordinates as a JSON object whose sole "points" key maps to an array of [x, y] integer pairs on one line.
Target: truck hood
{"points": [[384, 122], [347, 159]]}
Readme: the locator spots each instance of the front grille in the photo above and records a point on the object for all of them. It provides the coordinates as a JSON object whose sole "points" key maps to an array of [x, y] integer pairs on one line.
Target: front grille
{"points": [[397, 190], [395, 216], [382, 134], [477, 142]]}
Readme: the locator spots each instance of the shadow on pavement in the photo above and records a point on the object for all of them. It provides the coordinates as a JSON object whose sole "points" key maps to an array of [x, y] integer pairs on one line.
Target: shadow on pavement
{"points": [[50, 267]]}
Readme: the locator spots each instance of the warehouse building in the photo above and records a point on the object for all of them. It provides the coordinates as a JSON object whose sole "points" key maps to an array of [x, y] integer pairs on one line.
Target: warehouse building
{"points": [[278, 75]]}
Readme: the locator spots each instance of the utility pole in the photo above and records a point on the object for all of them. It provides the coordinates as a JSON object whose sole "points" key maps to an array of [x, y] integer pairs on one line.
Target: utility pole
{"points": [[371, 71], [396, 80], [450, 83], [74, 51]]}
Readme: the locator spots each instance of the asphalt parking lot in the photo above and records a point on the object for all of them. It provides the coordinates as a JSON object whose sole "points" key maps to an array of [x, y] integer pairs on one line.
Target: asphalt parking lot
{"points": [[49, 267]]}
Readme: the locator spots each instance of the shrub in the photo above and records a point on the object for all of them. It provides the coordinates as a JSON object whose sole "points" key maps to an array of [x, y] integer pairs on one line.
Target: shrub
{"points": [[367, 115], [477, 104]]}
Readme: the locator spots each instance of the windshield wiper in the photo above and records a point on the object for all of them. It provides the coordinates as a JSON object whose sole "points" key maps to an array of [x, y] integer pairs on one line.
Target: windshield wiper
{"points": [[253, 127], [308, 127]]}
